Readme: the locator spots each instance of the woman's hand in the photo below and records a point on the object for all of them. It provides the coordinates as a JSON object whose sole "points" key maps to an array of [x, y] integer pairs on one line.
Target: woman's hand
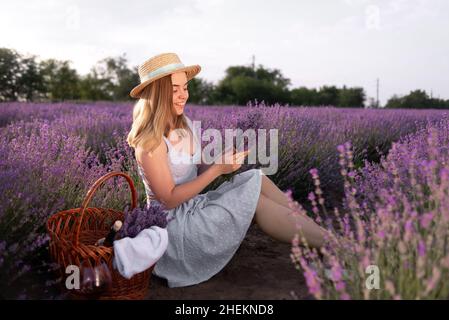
{"points": [[232, 162]]}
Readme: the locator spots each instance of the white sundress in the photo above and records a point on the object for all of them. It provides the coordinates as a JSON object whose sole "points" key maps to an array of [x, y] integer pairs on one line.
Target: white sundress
{"points": [[208, 229]]}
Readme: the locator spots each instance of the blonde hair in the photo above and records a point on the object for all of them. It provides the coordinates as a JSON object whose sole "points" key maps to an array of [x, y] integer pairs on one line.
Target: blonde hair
{"points": [[154, 115]]}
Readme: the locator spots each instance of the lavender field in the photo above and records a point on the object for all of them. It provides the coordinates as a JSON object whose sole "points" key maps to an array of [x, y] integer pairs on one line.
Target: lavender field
{"points": [[379, 177]]}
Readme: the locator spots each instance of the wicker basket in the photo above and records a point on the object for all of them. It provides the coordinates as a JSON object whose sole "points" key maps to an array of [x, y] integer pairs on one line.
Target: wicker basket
{"points": [[73, 234]]}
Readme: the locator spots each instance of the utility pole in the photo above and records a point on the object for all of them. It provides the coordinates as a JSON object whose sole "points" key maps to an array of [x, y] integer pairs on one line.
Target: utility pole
{"points": [[254, 62]]}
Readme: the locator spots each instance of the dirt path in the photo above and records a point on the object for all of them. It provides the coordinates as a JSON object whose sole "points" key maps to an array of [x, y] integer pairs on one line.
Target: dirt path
{"points": [[261, 269]]}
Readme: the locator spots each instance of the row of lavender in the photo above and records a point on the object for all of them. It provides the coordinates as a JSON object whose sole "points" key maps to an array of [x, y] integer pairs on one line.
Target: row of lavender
{"points": [[51, 154], [392, 242]]}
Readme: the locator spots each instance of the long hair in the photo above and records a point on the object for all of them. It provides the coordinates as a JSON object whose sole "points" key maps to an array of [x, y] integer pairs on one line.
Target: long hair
{"points": [[154, 115]]}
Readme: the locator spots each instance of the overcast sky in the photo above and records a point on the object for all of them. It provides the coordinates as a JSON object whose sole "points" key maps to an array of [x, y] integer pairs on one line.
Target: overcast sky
{"points": [[404, 43]]}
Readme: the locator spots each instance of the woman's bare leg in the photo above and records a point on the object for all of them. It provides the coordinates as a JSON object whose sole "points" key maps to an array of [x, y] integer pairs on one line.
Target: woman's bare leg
{"points": [[271, 191], [276, 221]]}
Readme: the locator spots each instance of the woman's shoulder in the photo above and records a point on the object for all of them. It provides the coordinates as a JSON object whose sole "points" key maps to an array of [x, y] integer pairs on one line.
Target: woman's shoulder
{"points": [[140, 151]]}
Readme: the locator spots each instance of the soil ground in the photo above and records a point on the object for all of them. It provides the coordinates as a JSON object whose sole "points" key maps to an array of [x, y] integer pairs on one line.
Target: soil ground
{"points": [[260, 269]]}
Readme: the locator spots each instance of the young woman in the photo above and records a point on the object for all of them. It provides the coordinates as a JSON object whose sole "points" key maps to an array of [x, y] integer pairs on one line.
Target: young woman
{"points": [[207, 229]]}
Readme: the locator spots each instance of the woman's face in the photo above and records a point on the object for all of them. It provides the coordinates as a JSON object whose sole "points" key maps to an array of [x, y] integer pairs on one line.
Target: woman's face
{"points": [[180, 91]]}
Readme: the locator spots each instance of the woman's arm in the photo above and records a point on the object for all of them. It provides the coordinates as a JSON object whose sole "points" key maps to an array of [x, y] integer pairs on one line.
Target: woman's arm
{"points": [[156, 170], [203, 168]]}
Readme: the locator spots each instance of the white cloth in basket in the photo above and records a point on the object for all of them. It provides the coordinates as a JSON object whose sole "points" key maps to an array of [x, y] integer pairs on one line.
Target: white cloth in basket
{"points": [[135, 255]]}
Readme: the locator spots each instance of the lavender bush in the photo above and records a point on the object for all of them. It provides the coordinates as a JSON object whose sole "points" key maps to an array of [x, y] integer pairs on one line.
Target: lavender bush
{"points": [[397, 220], [51, 154]]}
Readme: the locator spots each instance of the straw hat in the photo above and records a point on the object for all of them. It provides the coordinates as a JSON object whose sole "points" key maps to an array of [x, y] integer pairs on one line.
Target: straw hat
{"points": [[159, 66]]}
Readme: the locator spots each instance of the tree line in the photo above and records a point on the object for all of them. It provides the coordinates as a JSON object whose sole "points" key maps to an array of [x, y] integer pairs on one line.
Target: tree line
{"points": [[417, 99], [27, 78]]}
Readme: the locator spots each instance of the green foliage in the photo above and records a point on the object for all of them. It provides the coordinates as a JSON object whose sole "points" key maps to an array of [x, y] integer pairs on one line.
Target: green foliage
{"points": [[60, 80], [112, 79], [200, 91], [328, 96], [22, 78], [304, 96], [351, 97], [242, 84], [417, 99]]}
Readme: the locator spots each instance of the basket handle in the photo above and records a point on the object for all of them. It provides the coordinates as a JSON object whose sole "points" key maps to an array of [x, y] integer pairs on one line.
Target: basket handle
{"points": [[94, 188]]}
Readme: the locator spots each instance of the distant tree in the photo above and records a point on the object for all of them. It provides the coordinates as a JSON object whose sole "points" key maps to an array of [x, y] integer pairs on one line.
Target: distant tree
{"points": [[61, 81], [242, 84], [93, 87], [351, 97], [30, 84], [273, 76], [200, 91], [328, 95], [128, 79], [417, 99], [303, 96], [20, 77], [115, 77], [9, 73], [439, 103], [394, 102]]}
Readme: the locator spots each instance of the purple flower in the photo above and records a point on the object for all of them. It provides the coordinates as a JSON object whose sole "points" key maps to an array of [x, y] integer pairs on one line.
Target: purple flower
{"points": [[381, 234], [345, 296], [312, 281], [348, 145], [139, 219], [408, 226], [421, 248], [337, 274], [340, 286], [311, 196], [426, 219], [313, 172]]}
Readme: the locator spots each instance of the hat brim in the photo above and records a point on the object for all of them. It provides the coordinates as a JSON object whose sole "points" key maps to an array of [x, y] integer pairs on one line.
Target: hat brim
{"points": [[191, 71]]}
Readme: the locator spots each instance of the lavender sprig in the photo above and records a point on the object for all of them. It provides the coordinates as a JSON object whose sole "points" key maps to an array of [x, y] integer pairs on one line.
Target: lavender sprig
{"points": [[139, 219]]}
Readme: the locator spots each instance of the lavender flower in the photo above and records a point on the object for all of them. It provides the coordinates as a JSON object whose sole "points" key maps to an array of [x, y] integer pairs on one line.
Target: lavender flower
{"points": [[139, 219]]}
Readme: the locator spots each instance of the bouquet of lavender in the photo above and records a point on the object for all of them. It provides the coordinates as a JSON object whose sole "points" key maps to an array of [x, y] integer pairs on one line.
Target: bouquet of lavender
{"points": [[143, 218]]}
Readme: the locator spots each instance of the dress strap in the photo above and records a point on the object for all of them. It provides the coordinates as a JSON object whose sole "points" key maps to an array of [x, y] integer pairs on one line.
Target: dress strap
{"points": [[167, 142]]}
